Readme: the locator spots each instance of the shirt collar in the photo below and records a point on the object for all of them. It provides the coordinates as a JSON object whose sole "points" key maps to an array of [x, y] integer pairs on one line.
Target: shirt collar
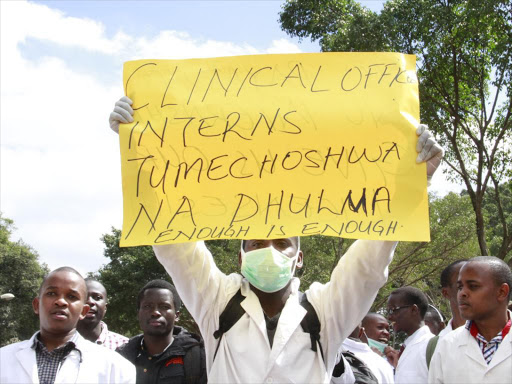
{"points": [[103, 334], [473, 329], [144, 349], [73, 341]]}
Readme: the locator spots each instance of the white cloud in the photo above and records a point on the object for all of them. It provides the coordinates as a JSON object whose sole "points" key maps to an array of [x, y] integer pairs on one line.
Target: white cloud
{"points": [[60, 167]]}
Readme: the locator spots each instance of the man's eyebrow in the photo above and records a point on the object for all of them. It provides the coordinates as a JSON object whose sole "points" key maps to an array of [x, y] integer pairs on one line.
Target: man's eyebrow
{"points": [[51, 287]]}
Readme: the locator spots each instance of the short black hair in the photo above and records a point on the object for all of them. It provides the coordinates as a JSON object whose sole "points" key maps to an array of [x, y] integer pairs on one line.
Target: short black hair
{"points": [[436, 315], [160, 284], [64, 269], [447, 273], [501, 272], [413, 296]]}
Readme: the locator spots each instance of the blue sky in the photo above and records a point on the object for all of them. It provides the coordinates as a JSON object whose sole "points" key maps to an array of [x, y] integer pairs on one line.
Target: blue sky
{"points": [[61, 71]]}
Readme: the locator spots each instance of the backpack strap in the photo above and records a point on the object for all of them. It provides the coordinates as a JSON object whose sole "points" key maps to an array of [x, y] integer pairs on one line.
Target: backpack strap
{"points": [[234, 311], [231, 314], [431, 347], [362, 373], [310, 323], [194, 362]]}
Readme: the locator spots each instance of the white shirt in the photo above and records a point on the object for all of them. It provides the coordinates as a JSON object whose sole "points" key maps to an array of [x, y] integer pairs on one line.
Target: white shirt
{"points": [[378, 365], [93, 364], [446, 330], [459, 359], [412, 365], [244, 354]]}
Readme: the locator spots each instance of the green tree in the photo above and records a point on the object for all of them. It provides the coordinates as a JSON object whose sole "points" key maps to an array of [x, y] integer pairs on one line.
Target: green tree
{"points": [[130, 268], [20, 274], [464, 63]]}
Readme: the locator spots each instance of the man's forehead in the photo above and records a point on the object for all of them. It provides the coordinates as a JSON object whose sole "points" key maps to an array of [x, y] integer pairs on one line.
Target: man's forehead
{"points": [[95, 286], [64, 280], [475, 270]]}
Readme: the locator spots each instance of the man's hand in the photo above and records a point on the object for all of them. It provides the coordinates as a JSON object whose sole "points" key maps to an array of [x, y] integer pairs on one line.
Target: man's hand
{"points": [[392, 356], [428, 150], [122, 113]]}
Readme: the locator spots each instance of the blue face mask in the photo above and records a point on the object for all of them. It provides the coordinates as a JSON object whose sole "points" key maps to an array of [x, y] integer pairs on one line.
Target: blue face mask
{"points": [[267, 269]]}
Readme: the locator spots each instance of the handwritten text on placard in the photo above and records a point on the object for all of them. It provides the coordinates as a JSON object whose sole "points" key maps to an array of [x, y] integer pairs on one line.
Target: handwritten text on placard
{"points": [[271, 146]]}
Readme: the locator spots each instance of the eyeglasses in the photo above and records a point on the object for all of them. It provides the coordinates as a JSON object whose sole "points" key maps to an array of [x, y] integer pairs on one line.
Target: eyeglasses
{"points": [[390, 311]]}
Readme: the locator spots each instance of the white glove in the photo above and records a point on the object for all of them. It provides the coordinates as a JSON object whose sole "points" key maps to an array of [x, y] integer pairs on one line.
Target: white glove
{"points": [[428, 150], [122, 113]]}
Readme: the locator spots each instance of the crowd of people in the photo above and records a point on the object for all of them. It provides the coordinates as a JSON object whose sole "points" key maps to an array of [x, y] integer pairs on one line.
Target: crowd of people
{"points": [[257, 326]]}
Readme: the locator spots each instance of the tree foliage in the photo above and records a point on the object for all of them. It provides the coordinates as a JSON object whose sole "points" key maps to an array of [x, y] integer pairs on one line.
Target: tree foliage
{"points": [[20, 274], [464, 63]]}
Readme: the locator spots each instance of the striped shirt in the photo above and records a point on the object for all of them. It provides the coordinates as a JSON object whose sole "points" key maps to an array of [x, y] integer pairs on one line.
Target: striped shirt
{"points": [[49, 363], [109, 339], [488, 348]]}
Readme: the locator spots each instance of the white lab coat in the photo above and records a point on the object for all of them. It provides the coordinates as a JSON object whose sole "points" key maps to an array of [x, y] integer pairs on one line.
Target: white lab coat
{"points": [[244, 354], [412, 365], [99, 365], [377, 364], [459, 359], [446, 330]]}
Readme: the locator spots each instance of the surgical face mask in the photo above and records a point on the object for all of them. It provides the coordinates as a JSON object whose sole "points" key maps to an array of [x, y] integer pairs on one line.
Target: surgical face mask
{"points": [[376, 344], [268, 269]]}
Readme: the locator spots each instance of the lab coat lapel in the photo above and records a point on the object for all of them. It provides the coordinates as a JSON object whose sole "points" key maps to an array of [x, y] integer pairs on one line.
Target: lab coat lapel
{"points": [[251, 305], [27, 359], [504, 352], [290, 319], [473, 351]]}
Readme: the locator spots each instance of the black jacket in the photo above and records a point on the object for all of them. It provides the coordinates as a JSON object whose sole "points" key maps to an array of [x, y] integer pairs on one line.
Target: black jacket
{"points": [[183, 362]]}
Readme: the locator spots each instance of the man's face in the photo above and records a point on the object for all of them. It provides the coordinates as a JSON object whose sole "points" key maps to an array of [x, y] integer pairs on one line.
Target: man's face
{"points": [[376, 327], [451, 291], [157, 312], [97, 301], [287, 246], [61, 303], [478, 293], [401, 318]]}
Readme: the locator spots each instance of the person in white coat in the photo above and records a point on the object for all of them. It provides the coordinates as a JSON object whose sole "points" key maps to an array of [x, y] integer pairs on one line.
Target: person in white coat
{"points": [[480, 351], [406, 308], [449, 277], [58, 353], [377, 364], [267, 344]]}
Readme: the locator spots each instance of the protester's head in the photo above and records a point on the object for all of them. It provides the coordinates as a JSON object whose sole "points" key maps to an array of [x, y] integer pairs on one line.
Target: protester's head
{"points": [[449, 277], [406, 309], [376, 327], [357, 332], [97, 301], [158, 305], [61, 302], [281, 256], [484, 288], [434, 320]]}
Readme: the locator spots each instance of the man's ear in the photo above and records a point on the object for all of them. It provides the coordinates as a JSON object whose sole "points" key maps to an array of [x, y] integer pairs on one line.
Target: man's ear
{"points": [[35, 305], [85, 309], [177, 316], [444, 292], [300, 260], [503, 291]]}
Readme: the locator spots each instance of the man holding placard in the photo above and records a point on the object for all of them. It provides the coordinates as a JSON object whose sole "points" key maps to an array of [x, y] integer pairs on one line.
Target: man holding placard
{"points": [[267, 343]]}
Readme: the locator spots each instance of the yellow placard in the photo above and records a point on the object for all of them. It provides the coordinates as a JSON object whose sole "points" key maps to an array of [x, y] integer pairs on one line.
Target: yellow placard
{"points": [[273, 146]]}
